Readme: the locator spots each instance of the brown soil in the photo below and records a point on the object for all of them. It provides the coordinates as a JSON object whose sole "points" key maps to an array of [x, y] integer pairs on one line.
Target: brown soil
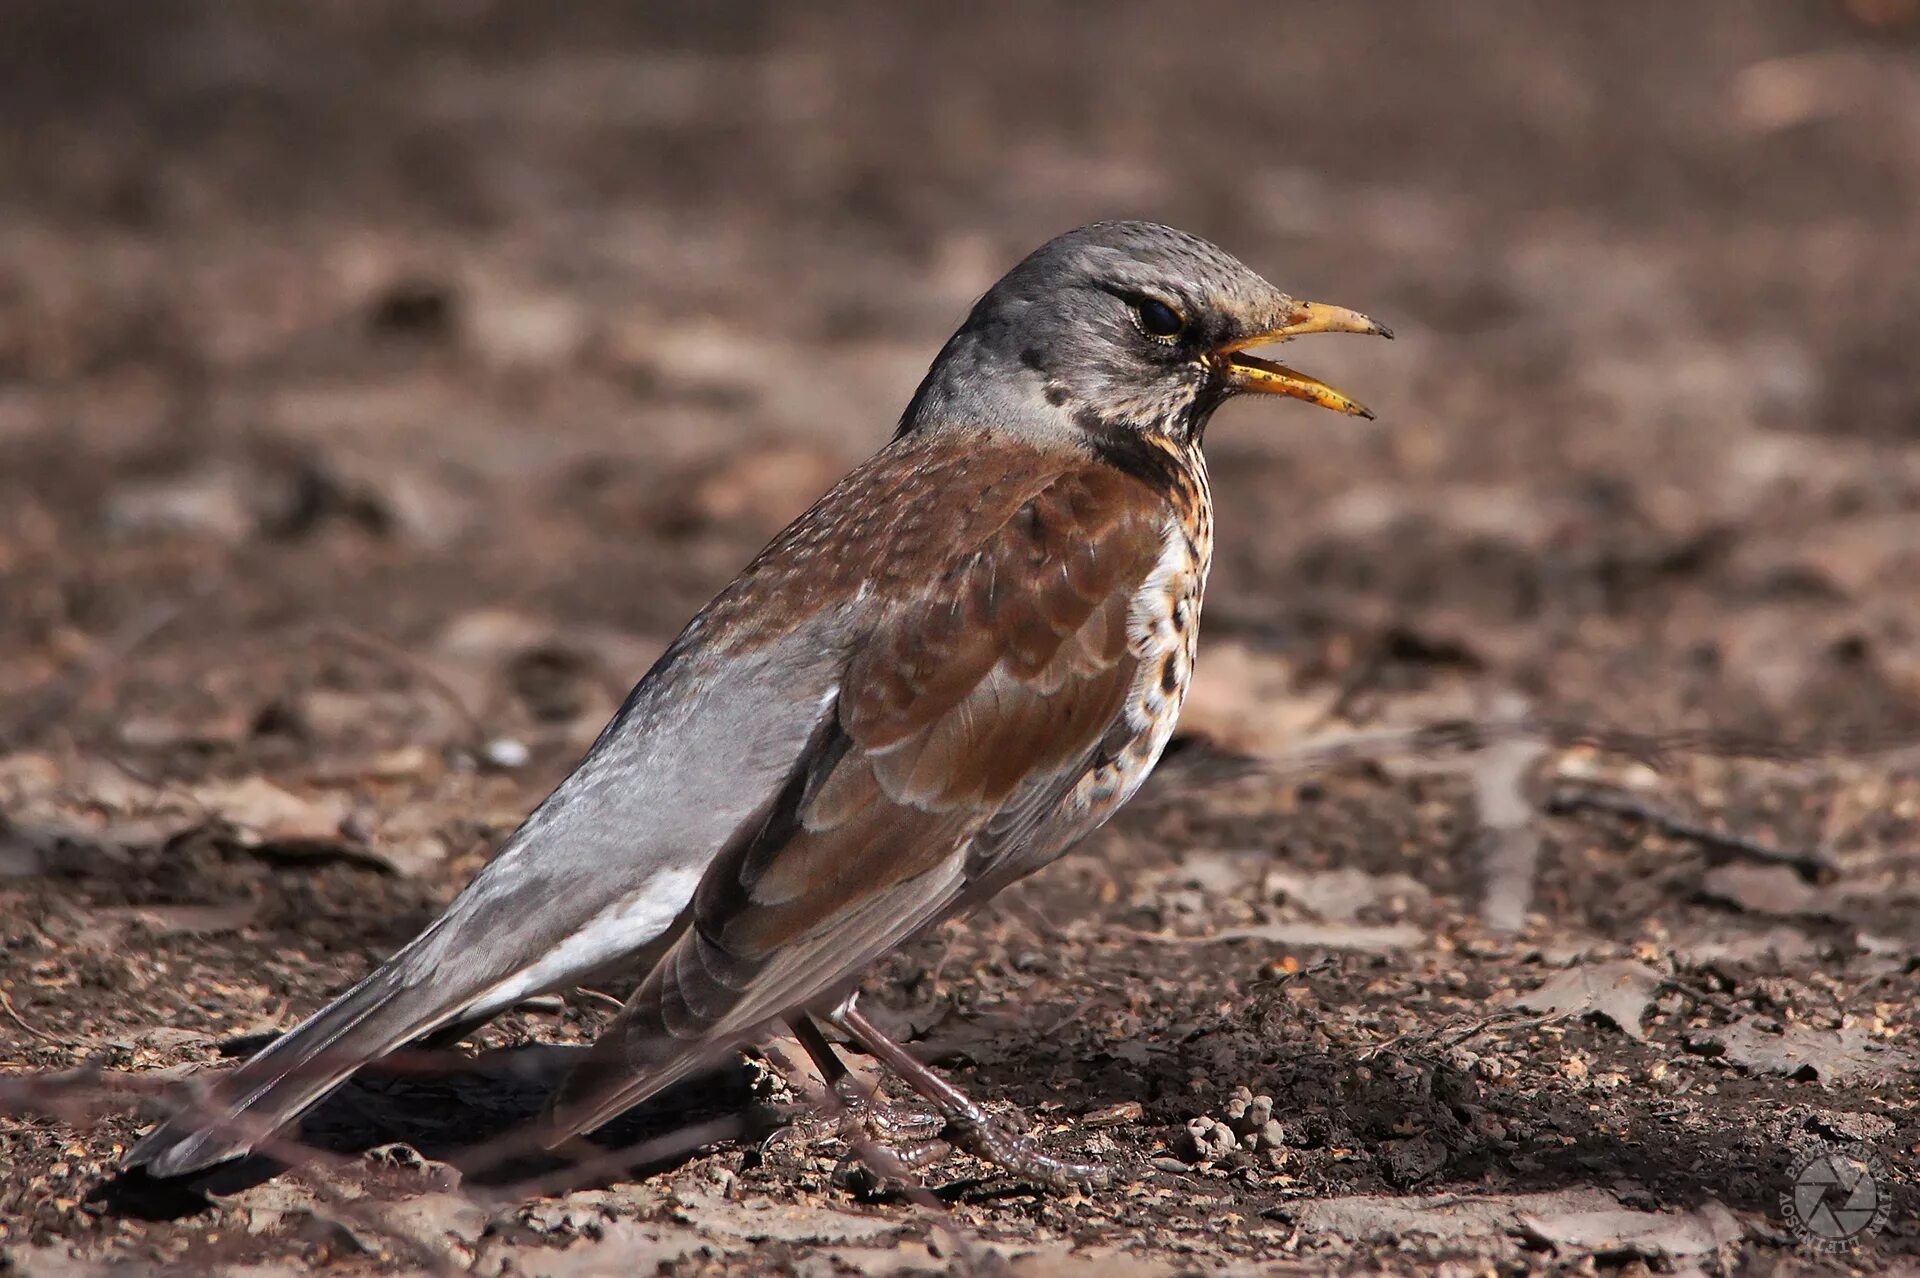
{"points": [[380, 384]]}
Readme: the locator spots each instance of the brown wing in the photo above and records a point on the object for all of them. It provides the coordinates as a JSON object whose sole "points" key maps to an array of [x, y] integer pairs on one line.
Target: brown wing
{"points": [[986, 692]]}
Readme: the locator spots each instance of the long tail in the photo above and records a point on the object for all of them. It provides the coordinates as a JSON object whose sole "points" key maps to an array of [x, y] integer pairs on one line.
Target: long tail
{"points": [[390, 1007]]}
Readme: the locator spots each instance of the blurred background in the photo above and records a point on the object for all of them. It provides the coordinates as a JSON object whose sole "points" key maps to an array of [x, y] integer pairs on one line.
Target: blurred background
{"points": [[383, 384], [395, 311]]}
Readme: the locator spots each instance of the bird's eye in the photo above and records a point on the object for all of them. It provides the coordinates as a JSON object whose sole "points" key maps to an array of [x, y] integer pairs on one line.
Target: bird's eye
{"points": [[1158, 320]]}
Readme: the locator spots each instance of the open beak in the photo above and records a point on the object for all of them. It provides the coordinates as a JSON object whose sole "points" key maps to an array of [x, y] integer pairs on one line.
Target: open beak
{"points": [[1249, 373]]}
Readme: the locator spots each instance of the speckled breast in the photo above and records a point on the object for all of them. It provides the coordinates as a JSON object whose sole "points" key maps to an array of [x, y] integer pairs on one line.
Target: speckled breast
{"points": [[1163, 632]]}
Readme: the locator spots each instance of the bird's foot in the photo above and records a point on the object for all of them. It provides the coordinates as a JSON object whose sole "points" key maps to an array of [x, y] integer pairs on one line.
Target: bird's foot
{"points": [[897, 1139], [969, 1128], [1019, 1154], [859, 1113], [886, 1139], [878, 1118]]}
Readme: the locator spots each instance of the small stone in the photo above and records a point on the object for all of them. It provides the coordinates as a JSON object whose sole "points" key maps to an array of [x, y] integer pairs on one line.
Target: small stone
{"points": [[506, 753], [1209, 1140]]}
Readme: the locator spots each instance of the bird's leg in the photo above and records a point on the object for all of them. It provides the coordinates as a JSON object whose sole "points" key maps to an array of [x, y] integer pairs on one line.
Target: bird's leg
{"points": [[861, 1103], [886, 1139], [969, 1127], [857, 1115]]}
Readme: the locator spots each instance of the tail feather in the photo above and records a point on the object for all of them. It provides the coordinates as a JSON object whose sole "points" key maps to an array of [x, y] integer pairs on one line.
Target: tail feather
{"points": [[634, 1059], [382, 1012]]}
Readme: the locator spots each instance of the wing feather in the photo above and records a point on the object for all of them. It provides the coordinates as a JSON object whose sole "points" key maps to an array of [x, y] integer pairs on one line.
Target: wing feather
{"points": [[970, 709]]}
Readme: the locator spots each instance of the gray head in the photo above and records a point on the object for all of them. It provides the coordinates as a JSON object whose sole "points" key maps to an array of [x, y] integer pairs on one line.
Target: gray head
{"points": [[1122, 326]]}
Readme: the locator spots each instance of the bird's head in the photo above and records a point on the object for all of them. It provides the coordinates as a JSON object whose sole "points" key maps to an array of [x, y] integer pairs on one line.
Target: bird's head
{"points": [[1124, 326]]}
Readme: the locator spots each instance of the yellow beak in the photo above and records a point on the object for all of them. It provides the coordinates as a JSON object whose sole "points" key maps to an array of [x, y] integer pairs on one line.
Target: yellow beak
{"points": [[1248, 373]]}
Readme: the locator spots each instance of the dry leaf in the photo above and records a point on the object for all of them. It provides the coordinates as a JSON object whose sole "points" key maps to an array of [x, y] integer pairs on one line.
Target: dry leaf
{"points": [[1619, 992], [1338, 896], [1766, 889], [1832, 1056], [764, 1219], [171, 920], [1651, 1234], [1242, 700], [439, 1214], [1382, 1219], [263, 814], [1778, 944]]}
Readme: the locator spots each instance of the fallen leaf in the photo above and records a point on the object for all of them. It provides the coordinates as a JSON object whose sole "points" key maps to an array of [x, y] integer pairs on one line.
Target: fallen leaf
{"points": [[1338, 896], [1243, 700], [221, 725], [448, 1214], [617, 1247], [262, 814], [1619, 992], [171, 920], [409, 841], [1780, 944], [80, 816], [1115, 1115], [162, 1038], [216, 501], [1832, 1056], [1776, 890], [1223, 872], [764, 1219], [277, 823], [1064, 1260], [268, 1205], [1369, 1218], [1620, 1231]]}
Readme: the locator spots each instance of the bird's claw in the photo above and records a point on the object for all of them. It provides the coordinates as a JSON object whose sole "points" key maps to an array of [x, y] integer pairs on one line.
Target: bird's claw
{"points": [[1020, 1155], [887, 1138], [874, 1169], [861, 1114]]}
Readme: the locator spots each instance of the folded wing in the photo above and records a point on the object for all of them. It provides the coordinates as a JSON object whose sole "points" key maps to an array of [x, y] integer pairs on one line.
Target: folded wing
{"points": [[966, 717]]}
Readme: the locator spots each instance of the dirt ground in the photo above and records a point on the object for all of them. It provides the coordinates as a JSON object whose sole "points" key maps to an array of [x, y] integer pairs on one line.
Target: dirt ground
{"points": [[381, 385]]}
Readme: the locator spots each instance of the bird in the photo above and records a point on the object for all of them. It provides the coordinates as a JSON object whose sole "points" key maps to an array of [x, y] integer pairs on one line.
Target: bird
{"points": [[961, 660]]}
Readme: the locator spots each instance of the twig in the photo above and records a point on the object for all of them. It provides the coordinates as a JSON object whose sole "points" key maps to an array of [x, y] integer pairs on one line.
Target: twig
{"points": [[1465, 736], [1511, 837], [13, 1013], [1440, 1037], [878, 1158], [1080, 1010], [60, 1095], [396, 656], [1811, 866], [64, 1095], [60, 693]]}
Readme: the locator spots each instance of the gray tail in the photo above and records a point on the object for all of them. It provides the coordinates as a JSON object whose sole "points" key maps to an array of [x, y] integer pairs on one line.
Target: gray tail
{"points": [[247, 1106]]}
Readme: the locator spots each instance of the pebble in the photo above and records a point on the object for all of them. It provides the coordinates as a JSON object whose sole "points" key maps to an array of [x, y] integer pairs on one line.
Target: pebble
{"points": [[506, 752]]}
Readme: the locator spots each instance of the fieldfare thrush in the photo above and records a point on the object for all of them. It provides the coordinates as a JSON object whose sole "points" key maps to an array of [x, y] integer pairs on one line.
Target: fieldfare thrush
{"points": [[959, 662]]}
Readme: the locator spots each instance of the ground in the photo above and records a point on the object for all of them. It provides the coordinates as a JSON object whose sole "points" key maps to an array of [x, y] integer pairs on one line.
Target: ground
{"points": [[382, 384]]}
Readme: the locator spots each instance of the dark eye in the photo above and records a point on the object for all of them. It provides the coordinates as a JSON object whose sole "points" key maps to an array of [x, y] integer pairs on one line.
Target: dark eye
{"points": [[1158, 320]]}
